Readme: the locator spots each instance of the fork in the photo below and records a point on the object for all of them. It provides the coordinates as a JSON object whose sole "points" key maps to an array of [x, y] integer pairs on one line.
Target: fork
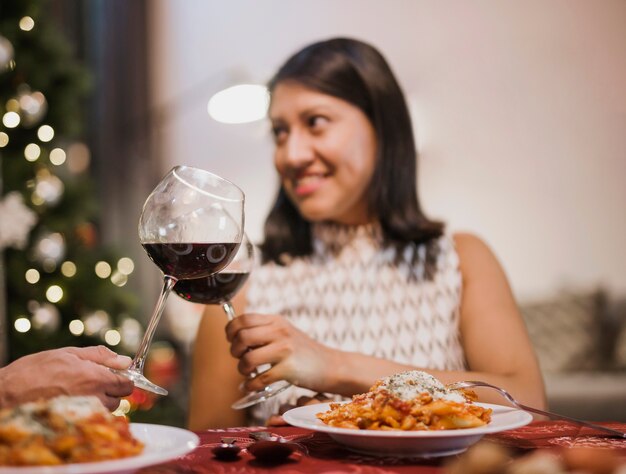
{"points": [[513, 401]]}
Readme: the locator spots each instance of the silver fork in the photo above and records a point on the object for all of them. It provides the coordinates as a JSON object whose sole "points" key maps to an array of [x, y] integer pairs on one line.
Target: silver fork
{"points": [[509, 397]]}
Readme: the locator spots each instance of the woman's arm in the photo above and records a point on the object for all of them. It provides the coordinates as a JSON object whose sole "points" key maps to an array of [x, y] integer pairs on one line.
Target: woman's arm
{"points": [[493, 335], [214, 377], [493, 332]]}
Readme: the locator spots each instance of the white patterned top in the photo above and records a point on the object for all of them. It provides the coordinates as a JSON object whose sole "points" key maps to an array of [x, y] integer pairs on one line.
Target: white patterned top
{"points": [[353, 294]]}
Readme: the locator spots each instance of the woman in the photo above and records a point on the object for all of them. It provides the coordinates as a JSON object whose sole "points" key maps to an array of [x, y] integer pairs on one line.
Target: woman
{"points": [[357, 283]]}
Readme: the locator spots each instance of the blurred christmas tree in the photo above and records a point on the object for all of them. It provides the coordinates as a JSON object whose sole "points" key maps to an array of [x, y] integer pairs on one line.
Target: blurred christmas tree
{"points": [[63, 287]]}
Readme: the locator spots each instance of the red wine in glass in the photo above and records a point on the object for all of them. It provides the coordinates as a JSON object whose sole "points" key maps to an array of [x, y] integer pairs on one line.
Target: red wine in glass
{"points": [[191, 260], [215, 289]]}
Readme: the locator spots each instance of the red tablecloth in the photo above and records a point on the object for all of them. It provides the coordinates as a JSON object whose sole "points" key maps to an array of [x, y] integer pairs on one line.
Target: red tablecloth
{"points": [[320, 454]]}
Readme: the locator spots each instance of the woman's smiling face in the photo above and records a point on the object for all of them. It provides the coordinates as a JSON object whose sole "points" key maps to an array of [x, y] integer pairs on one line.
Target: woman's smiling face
{"points": [[325, 153]]}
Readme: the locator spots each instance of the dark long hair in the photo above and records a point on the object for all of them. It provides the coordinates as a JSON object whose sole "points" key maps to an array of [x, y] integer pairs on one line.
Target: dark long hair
{"points": [[357, 73]]}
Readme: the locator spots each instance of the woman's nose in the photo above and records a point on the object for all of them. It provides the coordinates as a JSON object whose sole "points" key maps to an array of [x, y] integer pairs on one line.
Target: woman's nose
{"points": [[299, 150]]}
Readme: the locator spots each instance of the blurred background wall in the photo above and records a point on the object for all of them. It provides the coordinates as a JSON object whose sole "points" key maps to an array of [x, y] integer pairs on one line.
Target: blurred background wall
{"points": [[519, 110]]}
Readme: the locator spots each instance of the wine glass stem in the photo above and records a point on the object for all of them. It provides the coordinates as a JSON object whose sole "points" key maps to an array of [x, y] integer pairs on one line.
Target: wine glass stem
{"points": [[142, 352], [229, 310]]}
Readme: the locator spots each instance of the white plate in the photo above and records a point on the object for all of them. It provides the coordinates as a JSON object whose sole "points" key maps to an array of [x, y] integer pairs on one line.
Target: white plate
{"points": [[408, 443], [161, 443]]}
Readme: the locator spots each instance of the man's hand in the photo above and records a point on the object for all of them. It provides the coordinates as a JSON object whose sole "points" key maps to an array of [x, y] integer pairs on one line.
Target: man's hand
{"points": [[66, 371]]}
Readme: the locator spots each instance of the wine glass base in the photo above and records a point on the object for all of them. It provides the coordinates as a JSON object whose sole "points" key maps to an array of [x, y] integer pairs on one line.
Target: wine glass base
{"points": [[261, 395], [140, 381]]}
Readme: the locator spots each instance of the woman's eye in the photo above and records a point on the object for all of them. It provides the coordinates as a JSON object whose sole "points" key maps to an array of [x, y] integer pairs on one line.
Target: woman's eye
{"points": [[316, 121], [279, 133]]}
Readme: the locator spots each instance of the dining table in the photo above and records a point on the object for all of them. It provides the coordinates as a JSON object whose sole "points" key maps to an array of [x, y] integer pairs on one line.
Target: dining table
{"points": [[317, 452]]}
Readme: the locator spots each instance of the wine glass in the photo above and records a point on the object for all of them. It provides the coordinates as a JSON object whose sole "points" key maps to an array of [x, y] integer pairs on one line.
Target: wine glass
{"points": [[220, 288], [191, 226]]}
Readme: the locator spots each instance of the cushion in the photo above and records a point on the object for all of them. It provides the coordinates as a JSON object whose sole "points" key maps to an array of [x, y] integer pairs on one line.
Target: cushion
{"points": [[567, 331]]}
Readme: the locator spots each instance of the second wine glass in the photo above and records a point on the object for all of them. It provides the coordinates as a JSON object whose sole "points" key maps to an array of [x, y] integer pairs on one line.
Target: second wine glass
{"points": [[219, 289], [191, 226]]}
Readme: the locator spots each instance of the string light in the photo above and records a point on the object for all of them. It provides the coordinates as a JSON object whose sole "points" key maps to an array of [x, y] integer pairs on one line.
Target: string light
{"points": [[77, 327], [46, 318], [68, 269], [11, 119], [112, 337], [26, 23], [54, 293], [96, 322], [32, 152], [32, 276], [78, 158], [125, 266], [103, 269], [131, 332], [45, 133], [119, 279], [4, 139], [22, 324], [57, 156], [13, 105]]}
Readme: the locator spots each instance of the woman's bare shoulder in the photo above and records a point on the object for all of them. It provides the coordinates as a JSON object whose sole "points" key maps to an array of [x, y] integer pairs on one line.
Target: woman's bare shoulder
{"points": [[468, 243], [474, 253]]}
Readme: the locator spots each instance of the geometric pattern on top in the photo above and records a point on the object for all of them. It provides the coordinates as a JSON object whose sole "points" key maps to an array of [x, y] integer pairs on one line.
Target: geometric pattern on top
{"points": [[566, 331], [353, 294]]}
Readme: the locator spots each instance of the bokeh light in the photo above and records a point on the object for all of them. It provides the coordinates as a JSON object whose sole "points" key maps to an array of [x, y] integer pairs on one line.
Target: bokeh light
{"points": [[45, 133], [112, 337], [68, 269], [11, 119], [26, 23], [103, 269], [77, 327], [22, 324], [57, 156], [32, 152], [54, 293], [119, 279], [78, 158], [32, 276], [125, 266]]}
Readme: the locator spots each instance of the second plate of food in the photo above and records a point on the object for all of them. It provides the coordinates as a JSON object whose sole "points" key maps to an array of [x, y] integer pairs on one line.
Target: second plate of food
{"points": [[408, 443]]}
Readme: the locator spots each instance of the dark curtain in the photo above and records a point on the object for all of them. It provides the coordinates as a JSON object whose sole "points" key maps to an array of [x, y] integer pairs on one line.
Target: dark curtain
{"points": [[116, 48]]}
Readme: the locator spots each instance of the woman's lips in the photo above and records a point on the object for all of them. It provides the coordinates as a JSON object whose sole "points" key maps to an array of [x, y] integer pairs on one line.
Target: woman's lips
{"points": [[308, 184]]}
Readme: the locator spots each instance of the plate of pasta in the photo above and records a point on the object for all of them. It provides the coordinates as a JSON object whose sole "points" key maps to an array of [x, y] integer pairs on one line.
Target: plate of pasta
{"points": [[77, 435], [399, 443], [161, 444], [410, 414]]}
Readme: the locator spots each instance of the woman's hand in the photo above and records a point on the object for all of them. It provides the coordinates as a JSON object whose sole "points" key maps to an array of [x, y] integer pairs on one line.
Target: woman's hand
{"points": [[258, 339]]}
